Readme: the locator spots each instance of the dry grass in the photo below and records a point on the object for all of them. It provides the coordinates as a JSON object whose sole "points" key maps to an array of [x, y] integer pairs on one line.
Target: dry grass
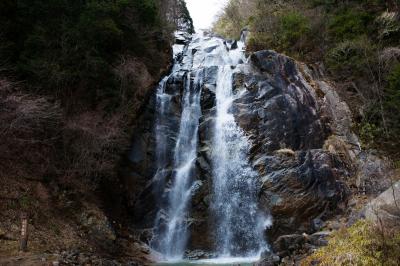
{"points": [[361, 244]]}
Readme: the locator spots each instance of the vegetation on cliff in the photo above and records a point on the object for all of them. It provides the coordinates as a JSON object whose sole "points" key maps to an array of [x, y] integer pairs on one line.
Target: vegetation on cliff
{"points": [[357, 42], [73, 77], [59, 47]]}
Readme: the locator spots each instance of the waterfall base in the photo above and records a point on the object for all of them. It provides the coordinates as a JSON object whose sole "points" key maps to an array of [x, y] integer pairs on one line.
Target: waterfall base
{"points": [[245, 261]]}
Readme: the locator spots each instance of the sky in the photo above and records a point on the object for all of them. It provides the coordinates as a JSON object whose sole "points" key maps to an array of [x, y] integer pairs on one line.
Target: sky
{"points": [[203, 12]]}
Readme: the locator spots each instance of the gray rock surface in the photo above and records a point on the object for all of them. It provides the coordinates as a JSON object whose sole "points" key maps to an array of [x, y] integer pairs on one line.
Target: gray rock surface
{"points": [[385, 209]]}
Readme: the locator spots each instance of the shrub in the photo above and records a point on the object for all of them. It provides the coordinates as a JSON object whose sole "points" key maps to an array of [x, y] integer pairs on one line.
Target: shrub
{"points": [[293, 26], [392, 101], [388, 25], [231, 20], [368, 133], [350, 24], [350, 58], [393, 90]]}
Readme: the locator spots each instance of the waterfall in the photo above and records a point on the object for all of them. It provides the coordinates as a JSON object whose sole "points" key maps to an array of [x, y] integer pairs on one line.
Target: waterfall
{"points": [[239, 225], [175, 237], [171, 241]]}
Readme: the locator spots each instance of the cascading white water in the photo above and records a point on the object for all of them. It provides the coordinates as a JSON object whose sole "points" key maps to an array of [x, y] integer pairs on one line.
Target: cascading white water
{"points": [[239, 226], [171, 241], [239, 223], [175, 236]]}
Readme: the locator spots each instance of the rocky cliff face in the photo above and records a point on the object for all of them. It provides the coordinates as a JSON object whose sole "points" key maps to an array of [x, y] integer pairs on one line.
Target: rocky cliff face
{"points": [[301, 146]]}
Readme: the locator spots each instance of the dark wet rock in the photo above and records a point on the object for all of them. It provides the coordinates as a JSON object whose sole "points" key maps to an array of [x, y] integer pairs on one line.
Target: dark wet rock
{"points": [[182, 38], [277, 107], [208, 88], [210, 49], [318, 239], [317, 224], [301, 188], [282, 115], [234, 45], [268, 259], [290, 247], [287, 244]]}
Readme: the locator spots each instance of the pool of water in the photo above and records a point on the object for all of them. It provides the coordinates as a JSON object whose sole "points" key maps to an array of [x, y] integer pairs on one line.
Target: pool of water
{"points": [[212, 262]]}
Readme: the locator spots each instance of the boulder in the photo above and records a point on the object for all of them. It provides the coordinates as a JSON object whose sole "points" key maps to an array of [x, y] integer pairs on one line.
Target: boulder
{"points": [[385, 209], [98, 227], [286, 244], [299, 189], [373, 175]]}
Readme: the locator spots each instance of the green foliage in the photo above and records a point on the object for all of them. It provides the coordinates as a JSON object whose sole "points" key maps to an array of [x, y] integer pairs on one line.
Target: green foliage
{"points": [[184, 16], [362, 244], [62, 46], [392, 101], [368, 133], [147, 10], [349, 24], [231, 21], [350, 57], [393, 90], [26, 201], [293, 26]]}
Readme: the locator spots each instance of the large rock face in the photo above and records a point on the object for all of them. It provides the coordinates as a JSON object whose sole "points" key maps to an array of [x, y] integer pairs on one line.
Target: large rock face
{"points": [[283, 115], [276, 108], [289, 117]]}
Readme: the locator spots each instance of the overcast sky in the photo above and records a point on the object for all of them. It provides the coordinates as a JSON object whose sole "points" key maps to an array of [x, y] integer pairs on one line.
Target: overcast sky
{"points": [[203, 11]]}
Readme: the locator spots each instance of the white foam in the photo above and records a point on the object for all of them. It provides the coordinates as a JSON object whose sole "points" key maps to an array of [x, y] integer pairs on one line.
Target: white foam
{"points": [[215, 261]]}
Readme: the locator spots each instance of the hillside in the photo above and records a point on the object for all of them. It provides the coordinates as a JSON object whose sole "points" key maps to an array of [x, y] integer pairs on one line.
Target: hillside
{"points": [[74, 76]]}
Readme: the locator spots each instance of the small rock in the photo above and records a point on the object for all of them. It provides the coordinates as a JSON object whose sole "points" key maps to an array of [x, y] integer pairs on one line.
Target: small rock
{"points": [[318, 239], [317, 224], [334, 225]]}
